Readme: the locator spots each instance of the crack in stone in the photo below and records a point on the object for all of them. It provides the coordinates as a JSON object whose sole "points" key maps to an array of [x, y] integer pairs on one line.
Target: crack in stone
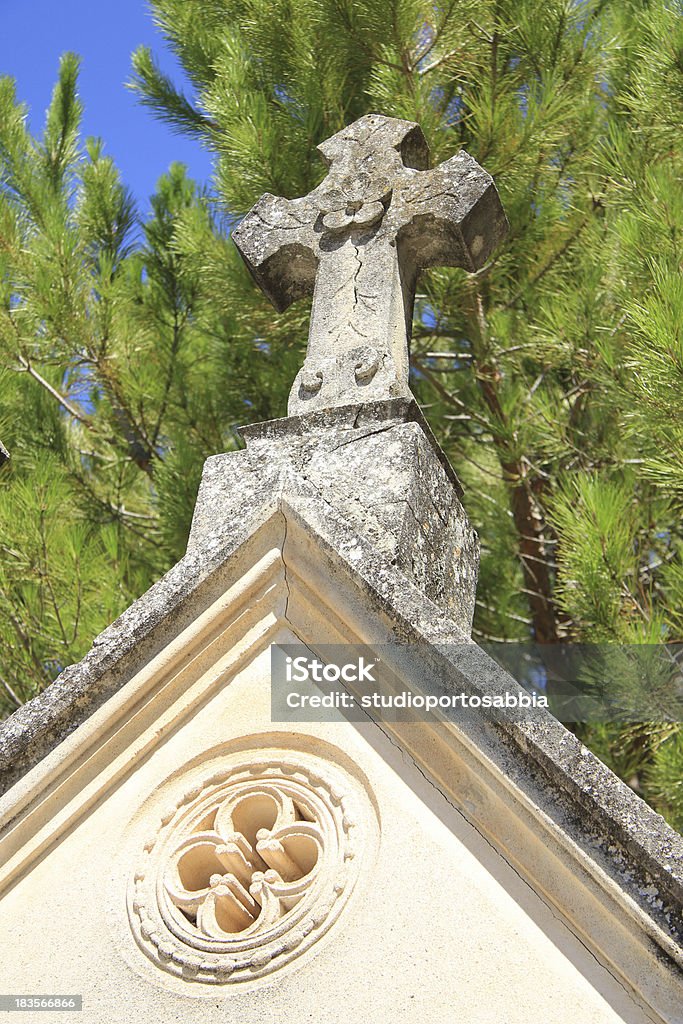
{"points": [[350, 279], [285, 578], [355, 311], [356, 251], [337, 331], [361, 437], [280, 226], [356, 330], [368, 300], [422, 198]]}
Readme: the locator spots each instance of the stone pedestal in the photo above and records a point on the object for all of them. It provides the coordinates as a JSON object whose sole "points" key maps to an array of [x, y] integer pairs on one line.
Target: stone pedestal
{"points": [[379, 466]]}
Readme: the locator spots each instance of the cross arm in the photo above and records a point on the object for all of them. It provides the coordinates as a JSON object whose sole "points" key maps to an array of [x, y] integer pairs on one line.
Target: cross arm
{"points": [[278, 243], [449, 216]]}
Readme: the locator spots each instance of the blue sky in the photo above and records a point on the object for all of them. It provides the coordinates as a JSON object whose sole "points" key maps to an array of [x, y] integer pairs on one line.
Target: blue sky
{"points": [[33, 34]]}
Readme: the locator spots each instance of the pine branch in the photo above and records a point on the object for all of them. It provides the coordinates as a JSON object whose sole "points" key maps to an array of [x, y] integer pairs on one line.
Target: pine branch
{"points": [[524, 506], [506, 614], [438, 32], [45, 576], [438, 62], [548, 265], [157, 91], [449, 396], [175, 345], [11, 693], [77, 414]]}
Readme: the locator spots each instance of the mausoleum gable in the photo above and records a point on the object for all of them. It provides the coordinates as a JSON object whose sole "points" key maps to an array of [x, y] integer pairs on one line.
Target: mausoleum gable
{"points": [[212, 843]]}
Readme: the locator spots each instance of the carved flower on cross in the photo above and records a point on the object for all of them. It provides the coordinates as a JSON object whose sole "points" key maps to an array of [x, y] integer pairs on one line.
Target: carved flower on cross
{"points": [[357, 201]]}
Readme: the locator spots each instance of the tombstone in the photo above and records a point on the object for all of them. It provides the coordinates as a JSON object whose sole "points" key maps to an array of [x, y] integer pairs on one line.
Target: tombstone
{"points": [[181, 843]]}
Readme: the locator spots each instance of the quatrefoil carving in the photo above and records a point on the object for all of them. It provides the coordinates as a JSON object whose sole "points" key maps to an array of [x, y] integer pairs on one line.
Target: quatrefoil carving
{"points": [[249, 870], [249, 866]]}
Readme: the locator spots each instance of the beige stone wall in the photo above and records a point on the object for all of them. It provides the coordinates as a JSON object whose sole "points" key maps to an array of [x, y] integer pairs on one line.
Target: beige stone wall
{"points": [[437, 927]]}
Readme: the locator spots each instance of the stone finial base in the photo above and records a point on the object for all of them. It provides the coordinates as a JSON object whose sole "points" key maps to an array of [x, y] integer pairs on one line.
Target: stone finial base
{"points": [[379, 467]]}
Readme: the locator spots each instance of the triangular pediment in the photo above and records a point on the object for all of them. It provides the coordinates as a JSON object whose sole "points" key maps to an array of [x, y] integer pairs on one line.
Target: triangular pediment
{"points": [[477, 835]]}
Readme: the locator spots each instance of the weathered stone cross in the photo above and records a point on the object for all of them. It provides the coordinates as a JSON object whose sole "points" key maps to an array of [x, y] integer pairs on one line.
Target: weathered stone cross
{"points": [[358, 242]]}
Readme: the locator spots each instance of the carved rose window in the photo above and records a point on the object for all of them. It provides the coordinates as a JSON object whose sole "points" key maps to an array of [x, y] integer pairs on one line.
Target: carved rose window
{"points": [[253, 865], [247, 870]]}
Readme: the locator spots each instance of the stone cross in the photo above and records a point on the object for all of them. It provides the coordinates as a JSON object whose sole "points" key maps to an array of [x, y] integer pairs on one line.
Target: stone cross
{"points": [[358, 242]]}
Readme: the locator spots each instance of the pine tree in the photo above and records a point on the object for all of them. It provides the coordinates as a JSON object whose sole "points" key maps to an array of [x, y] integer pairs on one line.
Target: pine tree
{"points": [[121, 370], [552, 377]]}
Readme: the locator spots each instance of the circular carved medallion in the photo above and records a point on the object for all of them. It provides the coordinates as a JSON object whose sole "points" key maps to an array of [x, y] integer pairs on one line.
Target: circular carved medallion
{"points": [[248, 869]]}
